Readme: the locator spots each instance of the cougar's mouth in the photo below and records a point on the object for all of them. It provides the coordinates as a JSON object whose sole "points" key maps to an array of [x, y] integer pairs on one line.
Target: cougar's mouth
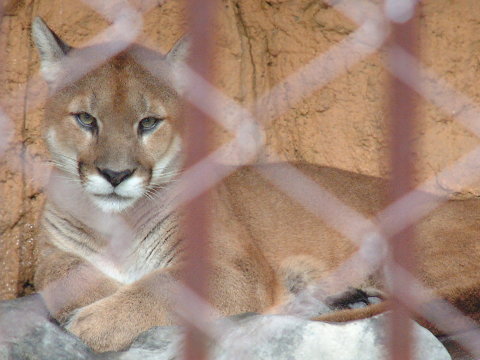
{"points": [[112, 202], [113, 196]]}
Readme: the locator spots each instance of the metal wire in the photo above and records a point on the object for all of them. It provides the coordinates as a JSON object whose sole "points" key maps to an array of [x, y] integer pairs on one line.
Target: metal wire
{"points": [[207, 103], [402, 113], [197, 222]]}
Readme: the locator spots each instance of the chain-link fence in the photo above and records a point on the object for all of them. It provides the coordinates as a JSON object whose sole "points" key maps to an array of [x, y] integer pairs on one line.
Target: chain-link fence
{"points": [[390, 27]]}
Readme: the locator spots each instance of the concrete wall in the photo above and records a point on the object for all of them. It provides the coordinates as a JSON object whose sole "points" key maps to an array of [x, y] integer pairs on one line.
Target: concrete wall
{"points": [[260, 43]]}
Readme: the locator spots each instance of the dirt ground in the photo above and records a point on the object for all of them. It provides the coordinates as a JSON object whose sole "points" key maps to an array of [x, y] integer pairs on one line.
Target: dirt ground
{"points": [[260, 43]]}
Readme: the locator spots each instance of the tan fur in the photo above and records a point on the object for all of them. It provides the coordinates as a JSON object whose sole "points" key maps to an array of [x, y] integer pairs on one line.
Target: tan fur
{"points": [[265, 247]]}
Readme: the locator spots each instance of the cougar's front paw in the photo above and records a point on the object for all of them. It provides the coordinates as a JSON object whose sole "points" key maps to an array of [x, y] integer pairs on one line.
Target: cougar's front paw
{"points": [[105, 325]]}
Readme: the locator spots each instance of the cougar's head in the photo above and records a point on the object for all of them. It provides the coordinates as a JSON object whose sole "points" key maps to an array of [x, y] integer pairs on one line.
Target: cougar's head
{"points": [[116, 129]]}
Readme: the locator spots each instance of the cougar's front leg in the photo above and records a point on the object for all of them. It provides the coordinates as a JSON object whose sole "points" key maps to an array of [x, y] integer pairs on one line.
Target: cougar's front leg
{"points": [[115, 321], [112, 323], [67, 282]]}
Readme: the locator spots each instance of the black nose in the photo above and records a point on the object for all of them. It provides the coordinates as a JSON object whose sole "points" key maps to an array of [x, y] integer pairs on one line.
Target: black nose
{"points": [[115, 177]]}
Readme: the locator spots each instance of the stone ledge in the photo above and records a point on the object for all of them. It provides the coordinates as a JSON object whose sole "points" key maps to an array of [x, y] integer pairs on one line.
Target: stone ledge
{"points": [[26, 332]]}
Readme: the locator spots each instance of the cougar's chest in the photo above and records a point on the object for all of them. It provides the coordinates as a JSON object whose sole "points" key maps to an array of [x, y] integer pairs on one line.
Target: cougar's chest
{"points": [[156, 245], [128, 258]]}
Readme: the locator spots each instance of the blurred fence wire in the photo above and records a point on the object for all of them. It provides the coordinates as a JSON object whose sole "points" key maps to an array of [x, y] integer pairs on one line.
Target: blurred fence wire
{"points": [[389, 26]]}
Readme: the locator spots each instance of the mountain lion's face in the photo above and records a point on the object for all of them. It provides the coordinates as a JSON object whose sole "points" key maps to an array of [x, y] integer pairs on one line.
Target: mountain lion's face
{"points": [[116, 131]]}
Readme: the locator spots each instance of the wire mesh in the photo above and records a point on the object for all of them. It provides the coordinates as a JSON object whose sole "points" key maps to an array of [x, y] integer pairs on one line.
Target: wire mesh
{"points": [[375, 22]]}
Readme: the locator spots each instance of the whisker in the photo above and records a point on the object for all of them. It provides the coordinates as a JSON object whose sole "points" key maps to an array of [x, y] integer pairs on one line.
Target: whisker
{"points": [[66, 169], [69, 179], [64, 156], [163, 180], [160, 173]]}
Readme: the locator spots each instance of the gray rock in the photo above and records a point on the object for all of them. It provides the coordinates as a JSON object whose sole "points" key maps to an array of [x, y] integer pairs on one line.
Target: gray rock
{"points": [[159, 343], [284, 337], [26, 332]]}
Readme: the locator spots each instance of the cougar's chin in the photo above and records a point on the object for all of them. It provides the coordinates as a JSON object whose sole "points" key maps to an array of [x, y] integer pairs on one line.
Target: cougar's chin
{"points": [[112, 203]]}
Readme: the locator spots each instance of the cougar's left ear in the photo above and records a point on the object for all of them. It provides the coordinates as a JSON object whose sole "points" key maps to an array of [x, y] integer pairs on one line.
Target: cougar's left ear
{"points": [[177, 58], [50, 47]]}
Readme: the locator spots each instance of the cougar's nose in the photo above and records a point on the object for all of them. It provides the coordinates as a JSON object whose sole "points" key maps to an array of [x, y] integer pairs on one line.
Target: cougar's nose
{"points": [[115, 177]]}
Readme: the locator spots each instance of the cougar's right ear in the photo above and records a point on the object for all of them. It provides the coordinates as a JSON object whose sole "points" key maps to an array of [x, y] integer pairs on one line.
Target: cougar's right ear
{"points": [[180, 51], [50, 47]]}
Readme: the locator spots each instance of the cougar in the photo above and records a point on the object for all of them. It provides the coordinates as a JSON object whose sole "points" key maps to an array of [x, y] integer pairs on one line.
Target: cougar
{"points": [[115, 136]]}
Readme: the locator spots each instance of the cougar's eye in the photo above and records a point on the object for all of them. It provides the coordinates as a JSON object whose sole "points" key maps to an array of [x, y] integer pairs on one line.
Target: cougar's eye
{"points": [[86, 120], [148, 124]]}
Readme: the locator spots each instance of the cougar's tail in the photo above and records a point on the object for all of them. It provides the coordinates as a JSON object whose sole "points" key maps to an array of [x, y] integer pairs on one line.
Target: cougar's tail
{"points": [[355, 314]]}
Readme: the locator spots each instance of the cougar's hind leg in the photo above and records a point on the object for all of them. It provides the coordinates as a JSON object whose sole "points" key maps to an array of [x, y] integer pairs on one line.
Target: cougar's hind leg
{"points": [[301, 275], [296, 274], [354, 298], [464, 297]]}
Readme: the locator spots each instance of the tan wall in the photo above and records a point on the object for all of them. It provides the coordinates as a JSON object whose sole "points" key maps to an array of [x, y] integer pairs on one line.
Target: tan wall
{"points": [[260, 43]]}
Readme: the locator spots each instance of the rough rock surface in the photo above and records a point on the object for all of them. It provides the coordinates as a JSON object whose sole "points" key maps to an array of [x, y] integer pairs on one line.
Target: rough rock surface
{"points": [[260, 43], [26, 333]]}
